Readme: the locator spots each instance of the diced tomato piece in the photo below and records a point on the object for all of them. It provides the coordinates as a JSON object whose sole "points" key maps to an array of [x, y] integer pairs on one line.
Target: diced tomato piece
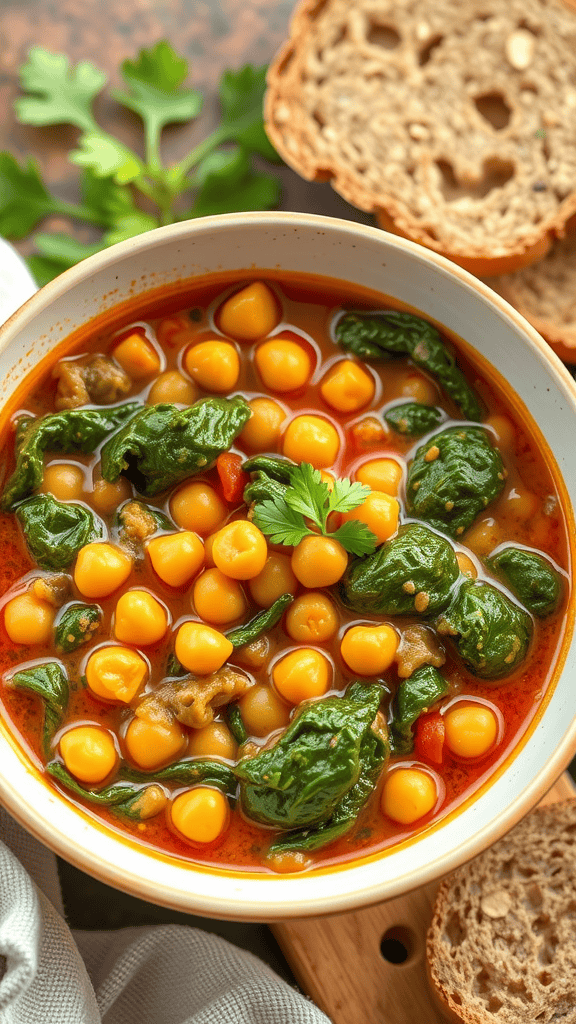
{"points": [[175, 331], [429, 738], [232, 477]]}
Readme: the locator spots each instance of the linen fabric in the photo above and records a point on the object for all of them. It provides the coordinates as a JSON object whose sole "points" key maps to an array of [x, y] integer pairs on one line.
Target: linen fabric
{"points": [[165, 974]]}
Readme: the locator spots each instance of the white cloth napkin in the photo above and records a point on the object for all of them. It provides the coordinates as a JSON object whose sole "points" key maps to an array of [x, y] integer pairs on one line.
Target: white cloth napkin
{"points": [[168, 974]]}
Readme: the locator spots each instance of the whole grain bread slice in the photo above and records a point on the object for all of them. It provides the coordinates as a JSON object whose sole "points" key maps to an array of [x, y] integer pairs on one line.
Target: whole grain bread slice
{"points": [[455, 123], [545, 293], [501, 948]]}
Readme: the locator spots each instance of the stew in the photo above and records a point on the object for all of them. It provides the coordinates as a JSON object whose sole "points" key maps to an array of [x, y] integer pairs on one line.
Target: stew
{"points": [[284, 569]]}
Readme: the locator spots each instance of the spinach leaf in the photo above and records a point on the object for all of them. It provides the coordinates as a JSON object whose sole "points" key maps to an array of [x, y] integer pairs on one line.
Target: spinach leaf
{"points": [[414, 696], [163, 444], [173, 667], [531, 577], [261, 623], [413, 418], [50, 683], [55, 530], [415, 571], [76, 626], [191, 772], [73, 430], [236, 724], [270, 478], [137, 803], [374, 751], [453, 477], [377, 336], [300, 781], [490, 632]]}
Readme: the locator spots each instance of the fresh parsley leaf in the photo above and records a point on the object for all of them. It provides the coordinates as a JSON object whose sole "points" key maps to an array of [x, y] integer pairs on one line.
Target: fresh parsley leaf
{"points": [[283, 519], [24, 200], [307, 494], [156, 93], [356, 537], [241, 97], [346, 495], [59, 94], [107, 157], [135, 223], [279, 522], [227, 184], [59, 252]]}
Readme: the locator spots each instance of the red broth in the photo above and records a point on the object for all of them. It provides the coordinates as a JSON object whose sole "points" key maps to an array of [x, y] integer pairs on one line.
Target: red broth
{"points": [[529, 512]]}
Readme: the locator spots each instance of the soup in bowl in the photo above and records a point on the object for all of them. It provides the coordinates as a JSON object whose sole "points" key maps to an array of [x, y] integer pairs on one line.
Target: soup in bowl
{"points": [[287, 574]]}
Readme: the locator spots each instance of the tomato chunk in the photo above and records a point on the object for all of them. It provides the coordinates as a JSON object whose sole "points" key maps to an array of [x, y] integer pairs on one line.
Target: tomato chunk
{"points": [[232, 477], [429, 739]]}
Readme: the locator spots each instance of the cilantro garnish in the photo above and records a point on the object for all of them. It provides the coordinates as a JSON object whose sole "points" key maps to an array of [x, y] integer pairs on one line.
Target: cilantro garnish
{"points": [[218, 176], [283, 519]]}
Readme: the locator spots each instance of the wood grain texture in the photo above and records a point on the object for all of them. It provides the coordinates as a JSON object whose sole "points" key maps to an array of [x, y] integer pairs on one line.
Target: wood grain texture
{"points": [[337, 960]]}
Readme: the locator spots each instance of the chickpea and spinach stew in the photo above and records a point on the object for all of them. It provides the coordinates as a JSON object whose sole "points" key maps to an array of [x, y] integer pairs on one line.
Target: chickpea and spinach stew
{"points": [[284, 572]]}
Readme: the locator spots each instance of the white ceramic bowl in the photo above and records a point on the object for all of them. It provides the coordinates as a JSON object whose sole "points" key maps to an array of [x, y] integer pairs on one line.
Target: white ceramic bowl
{"points": [[437, 288]]}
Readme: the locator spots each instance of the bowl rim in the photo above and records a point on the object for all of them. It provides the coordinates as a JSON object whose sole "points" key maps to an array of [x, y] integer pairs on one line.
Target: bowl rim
{"points": [[352, 898]]}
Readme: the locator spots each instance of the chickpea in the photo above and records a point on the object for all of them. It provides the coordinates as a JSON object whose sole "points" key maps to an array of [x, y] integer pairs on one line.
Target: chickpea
{"points": [[471, 730], [312, 618], [381, 475], [466, 565], [200, 814], [176, 557], [521, 503], [201, 649], [152, 744], [208, 557], [419, 389], [106, 497], [347, 387], [262, 710], [380, 514], [89, 753], [311, 439], [504, 430], [137, 357], [218, 599], [408, 795], [369, 650], [197, 507], [214, 365], [302, 674], [250, 313], [368, 433], [116, 673], [240, 550], [172, 386], [283, 364], [483, 536], [100, 569], [319, 561], [140, 618], [275, 579], [262, 432], [64, 480], [28, 620], [214, 740]]}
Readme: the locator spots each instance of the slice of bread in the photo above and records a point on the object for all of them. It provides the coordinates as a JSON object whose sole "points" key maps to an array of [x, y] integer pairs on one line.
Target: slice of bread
{"points": [[502, 945], [455, 123], [545, 293]]}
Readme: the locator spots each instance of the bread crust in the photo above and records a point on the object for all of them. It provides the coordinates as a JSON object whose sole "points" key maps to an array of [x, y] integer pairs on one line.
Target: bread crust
{"points": [[300, 87], [502, 944]]}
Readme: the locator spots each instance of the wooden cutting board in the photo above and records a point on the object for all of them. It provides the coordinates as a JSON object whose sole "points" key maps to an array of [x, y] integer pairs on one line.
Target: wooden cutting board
{"points": [[338, 961]]}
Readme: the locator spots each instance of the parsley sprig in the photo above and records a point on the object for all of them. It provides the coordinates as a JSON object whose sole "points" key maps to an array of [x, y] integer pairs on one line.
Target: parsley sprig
{"points": [[284, 519], [217, 176]]}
